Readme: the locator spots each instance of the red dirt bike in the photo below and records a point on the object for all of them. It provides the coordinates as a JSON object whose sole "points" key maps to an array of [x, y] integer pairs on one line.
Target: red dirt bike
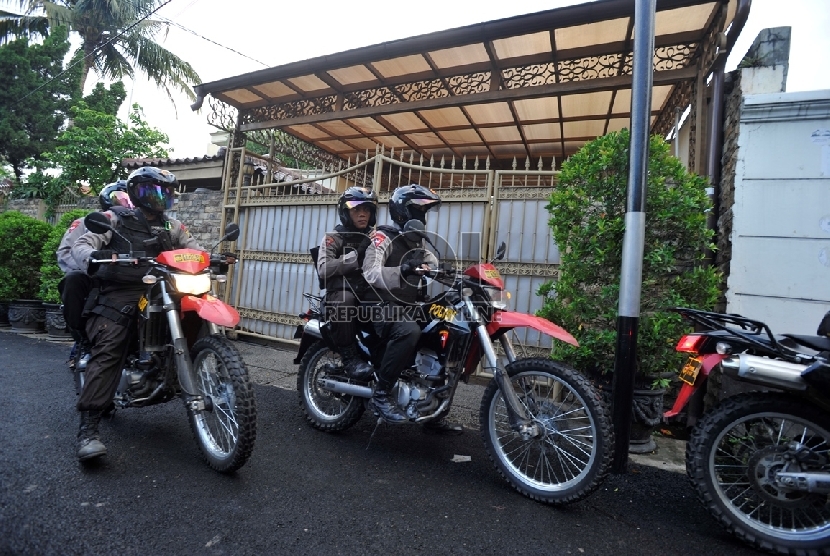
{"points": [[544, 426], [181, 352], [760, 461]]}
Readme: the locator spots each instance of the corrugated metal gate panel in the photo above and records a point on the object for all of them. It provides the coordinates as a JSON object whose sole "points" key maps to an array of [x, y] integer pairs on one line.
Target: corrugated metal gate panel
{"points": [[280, 226]]}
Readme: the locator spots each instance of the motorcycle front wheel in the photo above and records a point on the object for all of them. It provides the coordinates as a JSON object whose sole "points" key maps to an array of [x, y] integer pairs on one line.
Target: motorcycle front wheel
{"points": [[226, 429], [571, 455], [325, 410], [734, 455]]}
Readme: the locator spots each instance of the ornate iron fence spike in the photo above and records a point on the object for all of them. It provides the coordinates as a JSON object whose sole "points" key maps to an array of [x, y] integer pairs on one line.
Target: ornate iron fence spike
{"points": [[442, 162], [527, 163], [475, 164], [487, 163], [540, 165], [514, 163]]}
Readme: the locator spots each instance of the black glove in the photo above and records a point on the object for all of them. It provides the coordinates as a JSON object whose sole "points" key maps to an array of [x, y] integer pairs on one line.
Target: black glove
{"points": [[230, 257], [102, 254], [408, 269]]}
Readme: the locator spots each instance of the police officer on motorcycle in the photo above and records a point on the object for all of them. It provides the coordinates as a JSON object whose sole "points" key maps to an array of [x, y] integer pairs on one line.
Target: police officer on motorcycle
{"points": [[394, 264], [76, 284], [339, 265], [112, 308]]}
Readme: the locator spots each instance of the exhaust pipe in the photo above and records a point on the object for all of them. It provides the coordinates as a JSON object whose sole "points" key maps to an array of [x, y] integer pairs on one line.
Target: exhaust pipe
{"points": [[345, 388], [765, 371]]}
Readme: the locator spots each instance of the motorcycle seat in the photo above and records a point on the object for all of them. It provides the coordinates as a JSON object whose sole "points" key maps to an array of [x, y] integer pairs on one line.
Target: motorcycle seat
{"points": [[818, 343]]}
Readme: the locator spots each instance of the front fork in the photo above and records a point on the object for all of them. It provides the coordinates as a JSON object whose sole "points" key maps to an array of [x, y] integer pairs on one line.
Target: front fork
{"points": [[184, 366], [517, 414]]}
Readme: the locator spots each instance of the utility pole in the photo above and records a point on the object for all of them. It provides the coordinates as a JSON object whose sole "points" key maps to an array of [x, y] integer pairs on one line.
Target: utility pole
{"points": [[631, 276]]}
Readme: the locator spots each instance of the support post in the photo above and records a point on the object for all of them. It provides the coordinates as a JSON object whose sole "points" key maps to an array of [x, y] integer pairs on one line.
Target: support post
{"points": [[631, 275]]}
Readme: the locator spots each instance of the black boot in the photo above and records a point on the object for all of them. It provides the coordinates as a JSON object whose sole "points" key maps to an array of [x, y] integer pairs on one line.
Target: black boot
{"points": [[384, 407], [89, 443], [354, 365]]}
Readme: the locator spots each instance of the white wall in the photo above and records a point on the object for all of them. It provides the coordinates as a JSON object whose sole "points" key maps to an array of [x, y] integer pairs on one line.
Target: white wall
{"points": [[780, 269]]}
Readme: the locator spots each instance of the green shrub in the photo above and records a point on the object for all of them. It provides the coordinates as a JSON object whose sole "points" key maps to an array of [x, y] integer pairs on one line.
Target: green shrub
{"points": [[588, 223], [50, 273], [21, 242]]}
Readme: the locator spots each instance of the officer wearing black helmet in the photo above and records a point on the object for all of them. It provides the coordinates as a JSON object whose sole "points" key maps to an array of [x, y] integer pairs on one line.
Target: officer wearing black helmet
{"points": [[113, 308], [76, 283], [339, 266], [393, 266]]}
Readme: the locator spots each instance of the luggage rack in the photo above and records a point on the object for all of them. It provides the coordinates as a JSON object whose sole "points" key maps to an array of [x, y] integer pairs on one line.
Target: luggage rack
{"points": [[753, 332]]}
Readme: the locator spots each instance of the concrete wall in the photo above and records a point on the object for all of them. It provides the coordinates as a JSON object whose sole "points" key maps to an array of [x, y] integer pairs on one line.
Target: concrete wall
{"points": [[201, 212], [780, 237]]}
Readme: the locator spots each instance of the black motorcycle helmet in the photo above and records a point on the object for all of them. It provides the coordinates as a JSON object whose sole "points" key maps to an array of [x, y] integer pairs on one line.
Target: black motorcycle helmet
{"points": [[355, 196], [115, 194], [412, 202], [152, 189]]}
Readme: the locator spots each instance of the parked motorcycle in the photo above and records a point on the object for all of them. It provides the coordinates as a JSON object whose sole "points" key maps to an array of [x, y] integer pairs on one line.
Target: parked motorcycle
{"points": [[760, 461], [180, 351], [544, 426]]}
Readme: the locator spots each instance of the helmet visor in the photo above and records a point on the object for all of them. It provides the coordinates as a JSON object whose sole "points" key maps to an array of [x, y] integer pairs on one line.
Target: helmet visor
{"points": [[355, 204], [121, 198], [154, 196]]}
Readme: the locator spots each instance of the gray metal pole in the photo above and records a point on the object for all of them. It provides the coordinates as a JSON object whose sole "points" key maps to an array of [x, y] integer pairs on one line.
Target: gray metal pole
{"points": [[631, 276]]}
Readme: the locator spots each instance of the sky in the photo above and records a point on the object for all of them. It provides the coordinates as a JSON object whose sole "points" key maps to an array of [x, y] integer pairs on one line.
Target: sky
{"points": [[228, 39]]}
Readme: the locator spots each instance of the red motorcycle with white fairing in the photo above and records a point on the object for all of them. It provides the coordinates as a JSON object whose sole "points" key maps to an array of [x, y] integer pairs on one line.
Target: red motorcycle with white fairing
{"points": [[180, 351], [544, 426]]}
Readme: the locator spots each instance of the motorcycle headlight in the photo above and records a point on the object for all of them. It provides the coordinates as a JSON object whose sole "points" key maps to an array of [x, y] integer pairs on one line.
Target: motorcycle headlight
{"points": [[500, 299], [194, 284]]}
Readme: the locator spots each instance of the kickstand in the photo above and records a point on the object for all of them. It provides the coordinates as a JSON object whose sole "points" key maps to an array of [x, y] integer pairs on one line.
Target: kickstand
{"points": [[374, 430]]}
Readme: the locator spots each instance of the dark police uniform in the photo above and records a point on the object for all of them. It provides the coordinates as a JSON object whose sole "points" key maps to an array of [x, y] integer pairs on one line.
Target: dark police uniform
{"points": [[339, 268], [381, 269]]}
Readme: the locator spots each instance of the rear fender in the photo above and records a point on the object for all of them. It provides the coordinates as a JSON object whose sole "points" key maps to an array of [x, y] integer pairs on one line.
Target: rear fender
{"points": [[507, 320], [687, 390], [211, 309]]}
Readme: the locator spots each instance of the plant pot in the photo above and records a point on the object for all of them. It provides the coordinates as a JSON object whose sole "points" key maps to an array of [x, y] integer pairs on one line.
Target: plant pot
{"points": [[4, 314], [646, 416], [27, 315], [55, 323]]}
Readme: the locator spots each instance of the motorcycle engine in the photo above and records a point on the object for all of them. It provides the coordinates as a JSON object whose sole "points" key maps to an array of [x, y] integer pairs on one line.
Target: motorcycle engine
{"points": [[413, 391]]}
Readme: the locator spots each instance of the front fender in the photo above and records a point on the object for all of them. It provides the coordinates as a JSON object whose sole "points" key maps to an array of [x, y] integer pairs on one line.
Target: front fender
{"points": [[707, 363], [211, 309], [506, 320]]}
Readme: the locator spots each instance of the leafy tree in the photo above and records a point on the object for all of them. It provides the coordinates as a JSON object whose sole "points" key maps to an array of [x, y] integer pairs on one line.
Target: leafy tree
{"points": [[34, 99], [107, 101], [118, 37], [587, 212], [91, 151]]}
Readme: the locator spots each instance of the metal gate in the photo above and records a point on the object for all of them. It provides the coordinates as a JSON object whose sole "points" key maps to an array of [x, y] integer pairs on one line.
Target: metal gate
{"points": [[283, 213]]}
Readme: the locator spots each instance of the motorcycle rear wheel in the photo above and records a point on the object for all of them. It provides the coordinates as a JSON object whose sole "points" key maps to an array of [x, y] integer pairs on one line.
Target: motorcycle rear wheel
{"points": [[226, 432], [572, 455], [324, 410], [732, 457]]}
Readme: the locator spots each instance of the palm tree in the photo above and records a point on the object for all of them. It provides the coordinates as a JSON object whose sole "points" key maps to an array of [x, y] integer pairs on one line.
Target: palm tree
{"points": [[118, 37]]}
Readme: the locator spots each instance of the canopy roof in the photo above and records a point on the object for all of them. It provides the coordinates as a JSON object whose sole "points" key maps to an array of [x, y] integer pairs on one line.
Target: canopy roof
{"points": [[534, 85]]}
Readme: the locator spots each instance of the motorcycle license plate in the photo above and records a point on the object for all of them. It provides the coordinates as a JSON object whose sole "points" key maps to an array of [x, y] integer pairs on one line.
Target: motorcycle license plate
{"points": [[688, 373], [142, 303]]}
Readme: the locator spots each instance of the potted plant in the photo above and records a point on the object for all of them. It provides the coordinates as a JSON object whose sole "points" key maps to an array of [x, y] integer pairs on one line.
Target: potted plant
{"points": [[21, 242], [587, 220], [51, 275]]}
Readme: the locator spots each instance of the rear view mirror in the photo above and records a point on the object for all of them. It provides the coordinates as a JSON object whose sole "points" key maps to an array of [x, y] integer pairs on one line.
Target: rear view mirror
{"points": [[231, 232]]}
